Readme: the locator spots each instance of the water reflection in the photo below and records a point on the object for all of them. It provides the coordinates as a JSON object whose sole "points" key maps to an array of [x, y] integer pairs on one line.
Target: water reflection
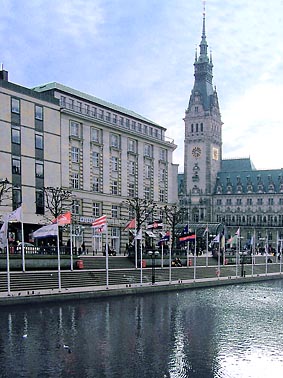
{"points": [[232, 331]]}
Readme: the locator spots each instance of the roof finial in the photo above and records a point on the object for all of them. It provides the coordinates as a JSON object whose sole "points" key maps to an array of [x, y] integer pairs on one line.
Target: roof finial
{"points": [[203, 14]]}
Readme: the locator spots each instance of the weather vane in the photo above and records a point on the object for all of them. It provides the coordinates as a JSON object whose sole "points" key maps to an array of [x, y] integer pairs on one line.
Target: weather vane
{"points": [[203, 3]]}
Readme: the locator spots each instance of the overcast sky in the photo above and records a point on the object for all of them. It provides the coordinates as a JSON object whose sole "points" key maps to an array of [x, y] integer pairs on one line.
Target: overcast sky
{"points": [[139, 54]]}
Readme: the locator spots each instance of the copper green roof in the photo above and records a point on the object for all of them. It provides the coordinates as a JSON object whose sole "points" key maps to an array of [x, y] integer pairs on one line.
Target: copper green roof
{"points": [[63, 88]]}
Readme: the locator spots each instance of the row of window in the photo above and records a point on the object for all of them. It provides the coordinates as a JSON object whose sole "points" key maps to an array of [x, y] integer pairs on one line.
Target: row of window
{"points": [[96, 135], [108, 116], [249, 202], [16, 137], [16, 108], [16, 167]]}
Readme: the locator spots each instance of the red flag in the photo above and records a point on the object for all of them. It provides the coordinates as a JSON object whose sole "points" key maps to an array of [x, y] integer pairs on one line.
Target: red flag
{"points": [[131, 224], [188, 237], [63, 219]]}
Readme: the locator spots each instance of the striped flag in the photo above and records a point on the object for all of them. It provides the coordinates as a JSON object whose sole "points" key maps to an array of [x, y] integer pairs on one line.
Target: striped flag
{"points": [[238, 232], [187, 237], [156, 225], [100, 224]]}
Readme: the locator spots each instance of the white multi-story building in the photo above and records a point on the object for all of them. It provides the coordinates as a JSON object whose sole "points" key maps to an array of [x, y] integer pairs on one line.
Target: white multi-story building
{"points": [[103, 153]]}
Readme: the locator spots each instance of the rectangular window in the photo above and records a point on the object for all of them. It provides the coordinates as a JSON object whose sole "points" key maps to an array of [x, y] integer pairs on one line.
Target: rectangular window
{"points": [[114, 163], [270, 201], [16, 166], [228, 202], [108, 116], [38, 112], [134, 126], [95, 135], [96, 209], [75, 154], [147, 193], [132, 167], [87, 109], [74, 129], [80, 106], [127, 123], [131, 190], [163, 154], [101, 113], [75, 180], [39, 202], [94, 111], [115, 141], [114, 118], [114, 187], [147, 171], [39, 141], [95, 159], [114, 211], [76, 207], [249, 201], [148, 150], [15, 105], [132, 145], [239, 202], [161, 195], [39, 169], [218, 202], [95, 184], [121, 121], [16, 197], [63, 101], [16, 135], [72, 103], [260, 201], [163, 175]]}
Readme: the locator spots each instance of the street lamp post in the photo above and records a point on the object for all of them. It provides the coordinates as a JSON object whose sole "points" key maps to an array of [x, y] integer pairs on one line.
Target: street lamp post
{"points": [[153, 255]]}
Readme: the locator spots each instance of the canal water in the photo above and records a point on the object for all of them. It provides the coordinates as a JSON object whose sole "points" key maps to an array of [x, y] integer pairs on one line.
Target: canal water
{"points": [[232, 331]]}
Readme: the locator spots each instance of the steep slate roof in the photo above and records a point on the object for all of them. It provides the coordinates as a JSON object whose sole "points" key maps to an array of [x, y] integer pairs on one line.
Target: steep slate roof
{"points": [[63, 88], [243, 172]]}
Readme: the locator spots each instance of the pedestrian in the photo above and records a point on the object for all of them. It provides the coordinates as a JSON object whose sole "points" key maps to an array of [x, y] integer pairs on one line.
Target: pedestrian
{"points": [[83, 248]]}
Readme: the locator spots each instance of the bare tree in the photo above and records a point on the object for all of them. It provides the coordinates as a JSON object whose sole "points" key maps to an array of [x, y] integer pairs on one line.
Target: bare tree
{"points": [[5, 190], [142, 209], [173, 216], [57, 200]]}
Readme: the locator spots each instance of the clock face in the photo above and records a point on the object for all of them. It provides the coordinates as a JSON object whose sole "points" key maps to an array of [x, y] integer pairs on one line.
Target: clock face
{"points": [[215, 153], [196, 152]]}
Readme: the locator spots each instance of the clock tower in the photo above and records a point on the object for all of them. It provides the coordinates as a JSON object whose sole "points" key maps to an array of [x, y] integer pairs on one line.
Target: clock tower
{"points": [[203, 138]]}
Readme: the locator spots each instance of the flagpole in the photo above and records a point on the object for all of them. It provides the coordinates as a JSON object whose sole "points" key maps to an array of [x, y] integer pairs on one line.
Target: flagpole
{"points": [[106, 253], [141, 255], [207, 245], [58, 256], [136, 248], [266, 249], [195, 255], [71, 247], [8, 269], [188, 242], [23, 244], [170, 257], [219, 253], [162, 255], [253, 253]]}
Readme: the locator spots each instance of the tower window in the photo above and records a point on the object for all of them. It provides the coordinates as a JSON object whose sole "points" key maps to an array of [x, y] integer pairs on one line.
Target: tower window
{"points": [[201, 127], [192, 128], [196, 109], [196, 127]]}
